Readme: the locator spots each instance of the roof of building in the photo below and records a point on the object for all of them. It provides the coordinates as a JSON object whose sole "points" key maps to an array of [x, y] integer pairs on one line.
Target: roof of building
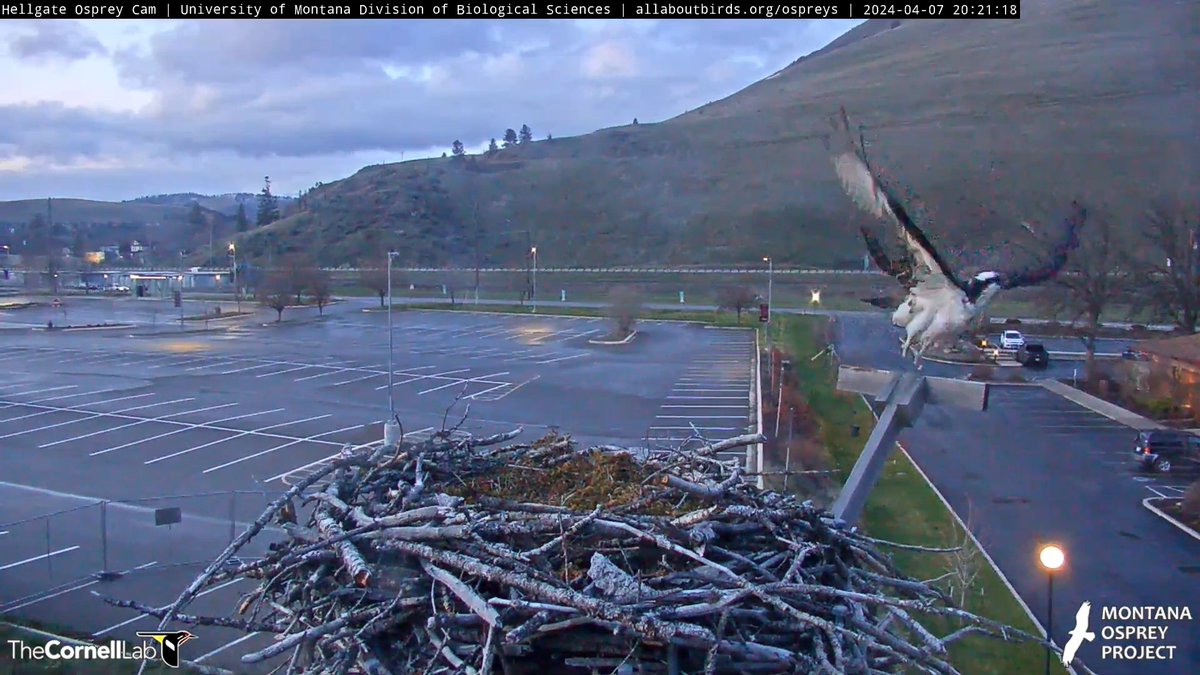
{"points": [[1182, 348]]}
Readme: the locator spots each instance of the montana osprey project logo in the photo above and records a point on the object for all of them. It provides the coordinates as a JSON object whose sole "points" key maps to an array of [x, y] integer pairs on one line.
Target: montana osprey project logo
{"points": [[1079, 633], [170, 641]]}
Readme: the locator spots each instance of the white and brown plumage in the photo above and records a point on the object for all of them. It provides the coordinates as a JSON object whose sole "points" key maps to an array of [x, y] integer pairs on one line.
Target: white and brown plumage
{"points": [[939, 305]]}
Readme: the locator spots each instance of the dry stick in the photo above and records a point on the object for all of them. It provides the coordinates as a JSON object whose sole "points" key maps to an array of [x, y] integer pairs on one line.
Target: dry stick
{"points": [[469, 597], [657, 629], [220, 622], [351, 558], [311, 634], [198, 583]]}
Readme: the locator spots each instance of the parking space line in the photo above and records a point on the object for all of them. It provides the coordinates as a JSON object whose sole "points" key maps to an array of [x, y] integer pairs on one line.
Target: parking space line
{"points": [[564, 358], [289, 370], [700, 417], [698, 428], [334, 371], [483, 378], [126, 622], [230, 438], [187, 427], [134, 424], [705, 406], [38, 557], [89, 415], [357, 379], [37, 391], [545, 336], [712, 398], [441, 375], [241, 370], [225, 646], [280, 447], [7, 609]]}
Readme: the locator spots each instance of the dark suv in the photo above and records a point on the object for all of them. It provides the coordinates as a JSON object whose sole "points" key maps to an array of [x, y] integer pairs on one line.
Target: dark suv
{"points": [[1033, 354], [1162, 450]]}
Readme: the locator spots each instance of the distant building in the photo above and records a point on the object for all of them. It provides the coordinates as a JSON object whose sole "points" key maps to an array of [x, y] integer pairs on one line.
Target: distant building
{"points": [[1172, 371]]}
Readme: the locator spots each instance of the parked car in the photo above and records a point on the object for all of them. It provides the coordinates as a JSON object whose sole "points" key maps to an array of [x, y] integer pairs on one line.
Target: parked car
{"points": [[117, 288], [1131, 354], [1012, 339], [1032, 354], [1164, 450]]}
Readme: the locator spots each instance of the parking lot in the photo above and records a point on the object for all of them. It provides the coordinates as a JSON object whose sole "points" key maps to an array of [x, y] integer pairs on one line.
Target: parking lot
{"points": [[220, 422], [1035, 468]]}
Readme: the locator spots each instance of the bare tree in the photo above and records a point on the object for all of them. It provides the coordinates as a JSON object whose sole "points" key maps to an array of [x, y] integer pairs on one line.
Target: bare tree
{"points": [[1091, 282], [276, 291], [320, 286], [625, 307], [298, 270], [454, 283], [1169, 272], [737, 299], [375, 280]]}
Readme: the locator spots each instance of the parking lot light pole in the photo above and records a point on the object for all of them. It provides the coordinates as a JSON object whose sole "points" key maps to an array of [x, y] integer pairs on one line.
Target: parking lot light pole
{"points": [[237, 296], [391, 428], [770, 287], [533, 251], [1052, 558]]}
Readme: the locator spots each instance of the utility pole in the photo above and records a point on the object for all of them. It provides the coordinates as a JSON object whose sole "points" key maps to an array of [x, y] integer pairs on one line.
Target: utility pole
{"points": [[391, 429]]}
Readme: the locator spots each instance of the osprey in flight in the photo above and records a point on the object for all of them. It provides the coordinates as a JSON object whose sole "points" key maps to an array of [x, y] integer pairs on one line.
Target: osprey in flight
{"points": [[939, 304]]}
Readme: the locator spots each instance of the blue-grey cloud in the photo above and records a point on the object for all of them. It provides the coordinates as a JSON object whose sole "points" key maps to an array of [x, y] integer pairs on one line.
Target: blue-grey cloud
{"points": [[311, 90], [47, 40]]}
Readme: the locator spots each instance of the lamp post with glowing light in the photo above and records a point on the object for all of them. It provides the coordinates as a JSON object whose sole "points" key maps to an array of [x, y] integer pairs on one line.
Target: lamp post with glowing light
{"points": [[1052, 558], [533, 252], [237, 296]]}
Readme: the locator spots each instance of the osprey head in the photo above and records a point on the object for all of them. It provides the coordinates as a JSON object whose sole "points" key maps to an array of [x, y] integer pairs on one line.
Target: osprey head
{"points": [[982, 287]]}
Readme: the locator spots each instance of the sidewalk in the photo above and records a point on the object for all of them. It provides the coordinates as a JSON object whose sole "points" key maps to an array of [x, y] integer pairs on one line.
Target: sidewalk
{"points": [[1098, 405]]}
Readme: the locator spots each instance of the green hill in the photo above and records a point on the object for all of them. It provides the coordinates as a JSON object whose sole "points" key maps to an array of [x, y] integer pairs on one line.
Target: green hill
{"points": [[990, 122]]}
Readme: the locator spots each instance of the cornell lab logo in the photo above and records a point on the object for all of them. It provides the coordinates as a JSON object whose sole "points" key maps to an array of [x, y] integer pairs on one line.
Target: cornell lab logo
{"points": [[1079, 633], [170, 641]]}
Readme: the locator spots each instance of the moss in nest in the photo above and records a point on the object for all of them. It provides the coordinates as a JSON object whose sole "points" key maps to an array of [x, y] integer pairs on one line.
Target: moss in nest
{"points": [[580, 483]]}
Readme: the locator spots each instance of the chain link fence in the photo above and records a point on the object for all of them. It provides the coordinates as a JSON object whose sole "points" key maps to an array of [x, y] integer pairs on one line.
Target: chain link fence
{"points": [[44, 553]]}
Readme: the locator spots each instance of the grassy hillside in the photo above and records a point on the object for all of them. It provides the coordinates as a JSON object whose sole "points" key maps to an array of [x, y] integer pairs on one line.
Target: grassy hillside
{"points": [[990, 122], [86, 211]]}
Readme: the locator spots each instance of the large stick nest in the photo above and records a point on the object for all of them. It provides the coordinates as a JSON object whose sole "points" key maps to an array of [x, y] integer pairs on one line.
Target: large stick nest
{"points": [[471, 556]]}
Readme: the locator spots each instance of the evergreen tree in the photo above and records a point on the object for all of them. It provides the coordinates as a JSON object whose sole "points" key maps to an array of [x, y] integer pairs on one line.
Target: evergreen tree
{"points": [[457, 149], [510, 138], [196, 217], [242, 223], [526, 134], [493, 148], [268, 206]]}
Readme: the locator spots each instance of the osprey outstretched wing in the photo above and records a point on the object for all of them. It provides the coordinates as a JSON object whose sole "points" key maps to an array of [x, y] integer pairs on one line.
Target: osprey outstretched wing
{"points": [[939, 304]]}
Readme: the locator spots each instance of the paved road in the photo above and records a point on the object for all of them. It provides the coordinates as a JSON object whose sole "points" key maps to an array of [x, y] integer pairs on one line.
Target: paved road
{"points": [[133, 414], [1035, 468]]}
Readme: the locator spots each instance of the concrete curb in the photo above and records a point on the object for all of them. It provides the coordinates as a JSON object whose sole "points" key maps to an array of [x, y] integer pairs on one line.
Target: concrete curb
{"points": [[555, 316], [1100, 406], [614, 342], [1148, 503], [71, 329]]}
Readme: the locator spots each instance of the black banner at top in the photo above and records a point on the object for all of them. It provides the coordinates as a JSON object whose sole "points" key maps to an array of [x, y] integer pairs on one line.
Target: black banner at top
{"points": [[476, 9]]}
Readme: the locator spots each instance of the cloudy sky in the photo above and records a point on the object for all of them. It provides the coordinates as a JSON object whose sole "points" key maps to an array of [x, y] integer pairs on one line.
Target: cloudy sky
{"points": [[119, 109]]}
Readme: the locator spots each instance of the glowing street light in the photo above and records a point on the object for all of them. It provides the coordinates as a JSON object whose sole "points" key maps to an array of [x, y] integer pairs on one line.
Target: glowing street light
{"points": [[1052, 558], [816, 296], [533, 252]]}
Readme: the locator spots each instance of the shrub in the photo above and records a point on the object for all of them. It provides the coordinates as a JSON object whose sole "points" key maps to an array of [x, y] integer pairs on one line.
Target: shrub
{"points": [[1190, 506], [1160, 407], [625, 307], [1012, 322]]}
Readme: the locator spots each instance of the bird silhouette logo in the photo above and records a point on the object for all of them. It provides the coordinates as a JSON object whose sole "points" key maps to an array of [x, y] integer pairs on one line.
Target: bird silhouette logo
{"points": [[170, 642], [1078, 634]]}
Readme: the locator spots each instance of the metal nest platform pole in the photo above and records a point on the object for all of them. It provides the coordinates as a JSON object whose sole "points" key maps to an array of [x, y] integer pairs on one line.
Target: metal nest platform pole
{"points": [[904, 396]]}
